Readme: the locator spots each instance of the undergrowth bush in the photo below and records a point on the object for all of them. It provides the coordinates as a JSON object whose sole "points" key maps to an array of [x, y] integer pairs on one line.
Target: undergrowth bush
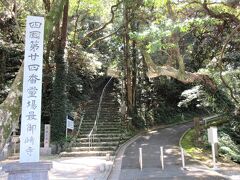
{"points": [[228, 147]]}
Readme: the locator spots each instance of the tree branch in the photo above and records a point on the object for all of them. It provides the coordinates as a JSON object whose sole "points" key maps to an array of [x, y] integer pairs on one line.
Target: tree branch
{"points": [[223, 16], [220, 63], [113, 9], [104, 37], [156, 71], [76, 23]]}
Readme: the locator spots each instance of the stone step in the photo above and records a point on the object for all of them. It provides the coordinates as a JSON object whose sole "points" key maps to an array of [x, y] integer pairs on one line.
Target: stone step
{"points": [[91, 115], [99, 139], [105, 101], [99, 126], [86, 153], [103, 107], [94, 148], [95, 143], [109, 98], [93, 110], [113, 114], [101, 132], [109, 135], [106, 115], [106, 112], [109, 118], [113, 106], [101, 119], [102, 123], [85, 129], [103, 128]]}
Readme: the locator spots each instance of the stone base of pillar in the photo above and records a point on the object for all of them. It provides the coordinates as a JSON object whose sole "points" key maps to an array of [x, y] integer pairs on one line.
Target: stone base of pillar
{"points": [[28, 171]]}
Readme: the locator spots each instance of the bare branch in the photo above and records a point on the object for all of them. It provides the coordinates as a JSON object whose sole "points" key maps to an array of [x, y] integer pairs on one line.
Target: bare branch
{"points": [[104, 37], [109, 35], [113, 9]]}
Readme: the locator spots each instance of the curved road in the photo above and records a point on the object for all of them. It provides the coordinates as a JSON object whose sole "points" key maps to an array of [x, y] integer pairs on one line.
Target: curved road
{"points": [[127, 161]]}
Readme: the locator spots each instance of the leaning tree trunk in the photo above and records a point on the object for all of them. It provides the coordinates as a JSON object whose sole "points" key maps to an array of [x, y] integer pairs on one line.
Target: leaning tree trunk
{"points": [[11, 107]]}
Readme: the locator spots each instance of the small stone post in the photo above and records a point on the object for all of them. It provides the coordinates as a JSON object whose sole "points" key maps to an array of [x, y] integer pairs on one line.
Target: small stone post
{"points": [[46, 150], [140, 158], [196, 121], [162, 157]]}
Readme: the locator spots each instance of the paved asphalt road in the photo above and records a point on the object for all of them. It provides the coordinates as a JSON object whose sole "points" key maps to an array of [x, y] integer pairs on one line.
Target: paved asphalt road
{"points": [[150, 144]]}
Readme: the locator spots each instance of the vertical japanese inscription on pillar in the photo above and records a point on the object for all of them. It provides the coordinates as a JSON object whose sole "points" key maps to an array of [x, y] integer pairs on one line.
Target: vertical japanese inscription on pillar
{"points": [[32, 90], [47, 135]]}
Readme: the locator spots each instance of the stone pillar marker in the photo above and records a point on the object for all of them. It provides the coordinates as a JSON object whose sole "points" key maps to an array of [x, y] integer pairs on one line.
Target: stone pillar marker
{"points": [[47, 133], [46, 150], [29, 167]]}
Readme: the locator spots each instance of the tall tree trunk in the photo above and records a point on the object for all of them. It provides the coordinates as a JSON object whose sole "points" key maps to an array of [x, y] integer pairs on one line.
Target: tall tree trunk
{"points": [[134, 75], [58, 119], [134, 67], [127, 60], [2, 68]]}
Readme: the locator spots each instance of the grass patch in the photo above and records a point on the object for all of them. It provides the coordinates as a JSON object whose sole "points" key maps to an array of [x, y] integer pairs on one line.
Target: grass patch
{"points": [[189, 146], [228, 149]]}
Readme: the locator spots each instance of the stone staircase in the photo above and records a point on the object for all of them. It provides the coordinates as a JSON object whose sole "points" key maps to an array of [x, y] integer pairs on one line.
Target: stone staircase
{"points": [[109, 134]]}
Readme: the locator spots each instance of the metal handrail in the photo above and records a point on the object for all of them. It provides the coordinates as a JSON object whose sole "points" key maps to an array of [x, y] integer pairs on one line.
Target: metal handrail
{"points": [[211, 118], [91, 135]]}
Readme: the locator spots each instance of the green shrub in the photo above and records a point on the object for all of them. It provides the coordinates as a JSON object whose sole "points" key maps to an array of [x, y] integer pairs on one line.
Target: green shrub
{"points": [[228, 147], [230, 153]]}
